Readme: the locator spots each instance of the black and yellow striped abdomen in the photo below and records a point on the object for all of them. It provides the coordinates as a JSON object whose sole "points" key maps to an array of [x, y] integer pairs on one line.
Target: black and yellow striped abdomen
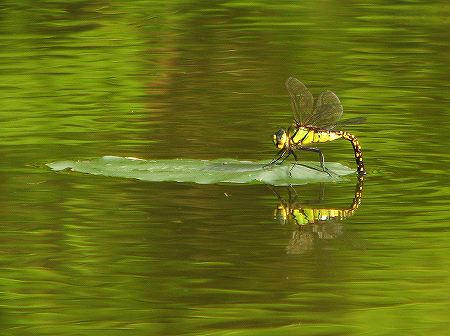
{"points": [[306, 136], [315, 215], [311, 215]]}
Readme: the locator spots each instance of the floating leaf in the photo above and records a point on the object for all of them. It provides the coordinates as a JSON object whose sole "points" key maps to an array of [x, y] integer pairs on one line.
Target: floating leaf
{"points": [[205, 171]]}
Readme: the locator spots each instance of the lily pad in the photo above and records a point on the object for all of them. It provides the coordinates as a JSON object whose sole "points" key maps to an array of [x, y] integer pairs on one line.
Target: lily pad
{"points": [[206, 171]]}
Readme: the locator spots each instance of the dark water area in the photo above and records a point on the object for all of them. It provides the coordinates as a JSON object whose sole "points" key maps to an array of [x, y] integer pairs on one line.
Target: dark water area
{"points": [[96, 255]]}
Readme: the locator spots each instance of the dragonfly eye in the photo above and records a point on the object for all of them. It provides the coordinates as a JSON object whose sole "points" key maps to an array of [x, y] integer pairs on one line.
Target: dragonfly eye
{"points": [[279, 138], [280, 133]]}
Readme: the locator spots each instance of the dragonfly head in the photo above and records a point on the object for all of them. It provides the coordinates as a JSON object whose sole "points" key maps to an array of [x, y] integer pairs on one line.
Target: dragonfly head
{"points": [[281, 214], [280, 139]]}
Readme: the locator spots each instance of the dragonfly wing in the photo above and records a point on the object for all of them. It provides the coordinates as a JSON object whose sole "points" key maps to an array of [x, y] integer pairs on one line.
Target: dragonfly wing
{"points": [[348, 122], [301, 99], [327, 112], [351, 121]]}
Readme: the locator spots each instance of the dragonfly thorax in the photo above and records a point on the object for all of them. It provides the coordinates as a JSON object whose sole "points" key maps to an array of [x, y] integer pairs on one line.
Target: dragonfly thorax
{"points": [[280, 139]]}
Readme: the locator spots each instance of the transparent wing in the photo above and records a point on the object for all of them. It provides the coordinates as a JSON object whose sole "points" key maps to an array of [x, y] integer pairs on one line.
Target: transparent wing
{"points": [[301, 99], [327, 112], [351, 121]]}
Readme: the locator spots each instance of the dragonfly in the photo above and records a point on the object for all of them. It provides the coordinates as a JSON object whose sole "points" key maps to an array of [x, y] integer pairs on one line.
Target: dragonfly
{"points": [[313, 124]]}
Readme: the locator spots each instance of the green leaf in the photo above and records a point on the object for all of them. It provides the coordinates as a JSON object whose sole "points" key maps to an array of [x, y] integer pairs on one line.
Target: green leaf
{"points": [[205, 171]]}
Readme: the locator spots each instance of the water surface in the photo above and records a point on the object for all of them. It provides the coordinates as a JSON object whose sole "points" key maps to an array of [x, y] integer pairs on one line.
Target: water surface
{"points": [[84, 254]]}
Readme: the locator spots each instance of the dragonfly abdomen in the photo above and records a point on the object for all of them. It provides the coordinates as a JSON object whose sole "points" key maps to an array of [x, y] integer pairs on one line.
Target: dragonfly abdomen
{"points": [[315, 215], [357, 150], [306, 136]]}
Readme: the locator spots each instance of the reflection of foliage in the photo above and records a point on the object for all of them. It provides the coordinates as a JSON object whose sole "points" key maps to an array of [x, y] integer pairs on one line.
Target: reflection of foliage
{"points": [[76, 74]]}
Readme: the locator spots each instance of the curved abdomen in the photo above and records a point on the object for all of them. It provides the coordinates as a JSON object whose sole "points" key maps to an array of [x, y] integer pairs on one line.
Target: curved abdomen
{"points": [[305, 136]]}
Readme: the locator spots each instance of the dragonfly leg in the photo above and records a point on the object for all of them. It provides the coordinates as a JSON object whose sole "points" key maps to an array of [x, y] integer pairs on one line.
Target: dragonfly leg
{"points": [[296, 163], [321, 157], [293, 165], [289, 153], [292, 199], [278, 157], [303, 165], [274, 190]]}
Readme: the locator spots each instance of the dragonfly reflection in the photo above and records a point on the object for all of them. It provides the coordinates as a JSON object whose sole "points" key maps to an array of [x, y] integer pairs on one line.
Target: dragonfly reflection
{"points": [[312, 220]]}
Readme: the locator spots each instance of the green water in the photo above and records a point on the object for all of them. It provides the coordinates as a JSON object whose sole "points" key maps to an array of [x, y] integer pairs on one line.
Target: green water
{"points": [[85, 254]]}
